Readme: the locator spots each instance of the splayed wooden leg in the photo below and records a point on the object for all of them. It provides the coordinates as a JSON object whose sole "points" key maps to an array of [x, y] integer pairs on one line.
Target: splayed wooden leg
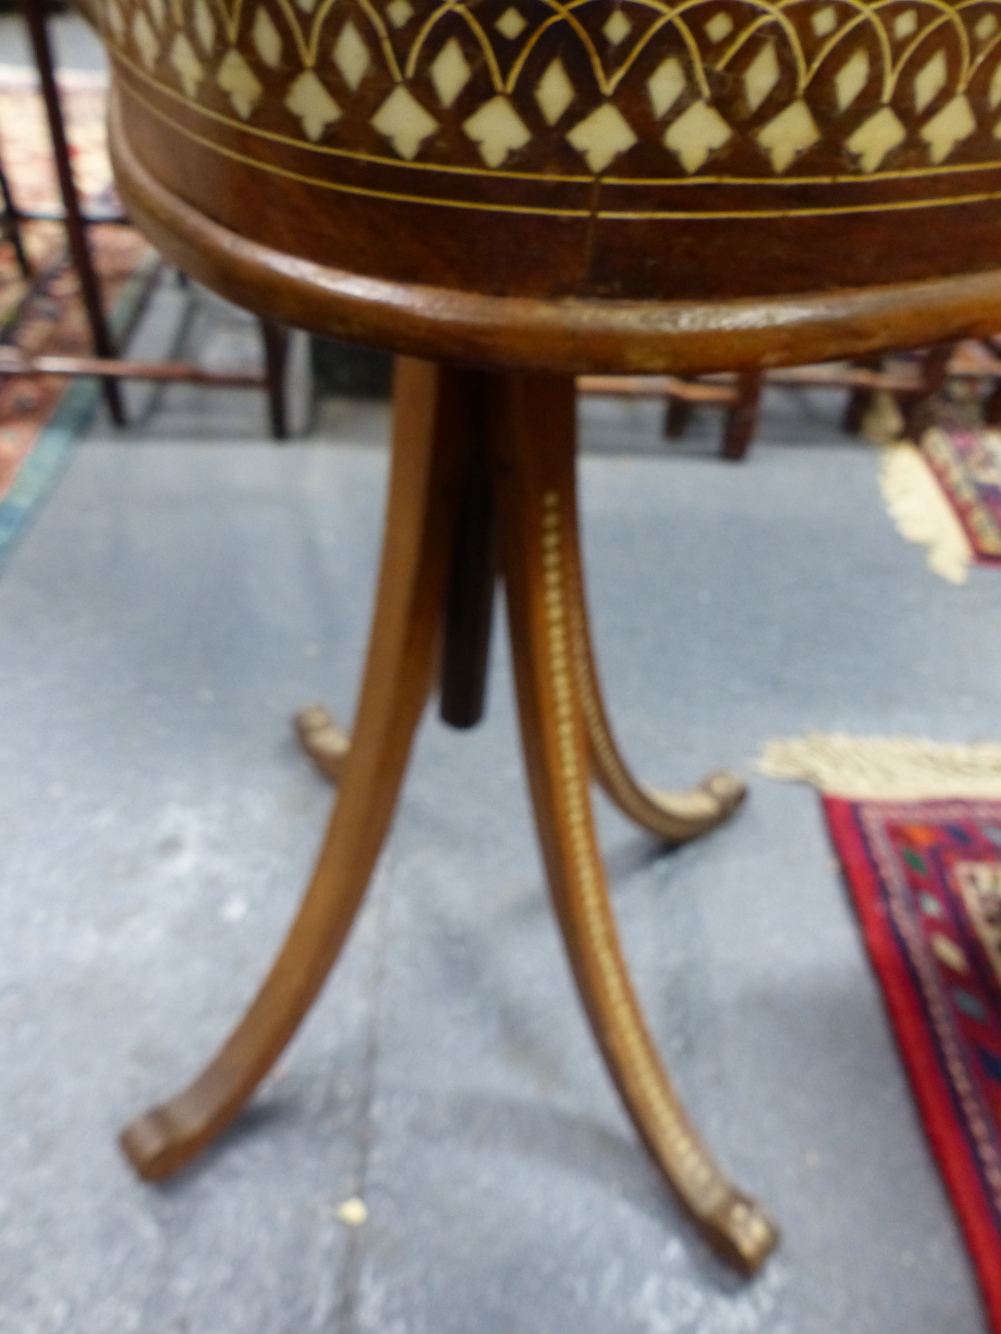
{"points": [[429, 440], [534, 456]]}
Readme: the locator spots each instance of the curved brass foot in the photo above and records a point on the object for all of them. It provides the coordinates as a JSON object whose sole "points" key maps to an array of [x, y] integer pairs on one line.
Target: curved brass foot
{"points": [[535, 455], [326, 744], [428, 449], [676, 817]]}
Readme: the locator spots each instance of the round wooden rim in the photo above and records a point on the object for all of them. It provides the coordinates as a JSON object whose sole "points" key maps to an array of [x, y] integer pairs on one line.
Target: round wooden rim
{"points": [[565, 335]]}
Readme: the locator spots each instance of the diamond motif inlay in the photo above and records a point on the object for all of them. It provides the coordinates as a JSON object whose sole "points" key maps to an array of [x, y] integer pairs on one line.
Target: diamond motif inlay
{"points": [[204, 26], [450, 72], [761, 76], [400, 13], [985, 27], [511, 24], [602, 136], [994, 92], [187, 64], [351, 56], [159, 11], [404, 122], [496, 130], [267, 39], [699, 131], [851, 78], [905, 25], [930, 80], [617, 28], [239, 82], [788, 135], [948, 127], [876, 137], [665, 85], [824, 21], [719, 26], [554, 92], [307, 6], [145, 39], [310, 101]]}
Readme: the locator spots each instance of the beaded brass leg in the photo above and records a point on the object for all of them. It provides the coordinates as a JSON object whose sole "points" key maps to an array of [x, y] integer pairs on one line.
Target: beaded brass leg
{"points": [[430, 437], [676, 817], [534, 452]]}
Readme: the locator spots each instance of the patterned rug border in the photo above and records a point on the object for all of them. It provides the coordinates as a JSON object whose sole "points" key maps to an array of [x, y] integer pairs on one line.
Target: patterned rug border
{"points": [[910, 1010], [41, 469]]}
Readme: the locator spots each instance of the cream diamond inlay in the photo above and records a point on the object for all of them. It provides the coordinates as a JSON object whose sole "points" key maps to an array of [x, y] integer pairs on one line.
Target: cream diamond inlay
{"points": [[496, 130], [930, 80], [698, 131], [115, 21], [994, 92], [145, 39], [618, 28], [510, 24], [267, 38], [761, 76], [239, 82], [985, 27], [310, 101], [307, 6], [159, 11], [851, 78], [450, 72], [400, 13], [824, 21], [949, 127], [905, 24], [790, 133], [876, 137], [204, 26], [665, 85], [554, 92], [718, 27], [403, 121], [601, 137], [351, 56], [187, 64]]}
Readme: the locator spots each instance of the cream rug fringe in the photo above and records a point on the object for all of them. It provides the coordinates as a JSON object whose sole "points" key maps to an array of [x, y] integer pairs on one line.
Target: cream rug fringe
{"points": [[885, 768], [917, 505]]}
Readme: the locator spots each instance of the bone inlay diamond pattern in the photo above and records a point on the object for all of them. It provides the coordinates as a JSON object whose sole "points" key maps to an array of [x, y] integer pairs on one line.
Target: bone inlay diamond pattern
{"points": [[351, 56], [554, 92], [735, 90], [450, 72]]}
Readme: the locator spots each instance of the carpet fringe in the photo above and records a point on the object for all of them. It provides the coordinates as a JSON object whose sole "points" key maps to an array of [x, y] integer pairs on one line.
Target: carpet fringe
{"points": [[884, 768], [921, 512]]}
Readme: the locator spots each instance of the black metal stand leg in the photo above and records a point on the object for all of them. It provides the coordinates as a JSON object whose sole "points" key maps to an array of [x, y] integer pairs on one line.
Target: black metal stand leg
{"points": [[12, 225], [76, 231], [275, 357]]}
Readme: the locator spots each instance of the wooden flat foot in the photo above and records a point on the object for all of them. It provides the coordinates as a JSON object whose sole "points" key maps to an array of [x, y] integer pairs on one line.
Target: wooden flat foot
{"points": [[326, 744]]}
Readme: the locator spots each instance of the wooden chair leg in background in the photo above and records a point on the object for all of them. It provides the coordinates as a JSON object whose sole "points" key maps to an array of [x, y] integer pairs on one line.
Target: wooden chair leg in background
{"points": [[677, 415], [742, 418], [534, 452], [919, 409], [427, 470]]}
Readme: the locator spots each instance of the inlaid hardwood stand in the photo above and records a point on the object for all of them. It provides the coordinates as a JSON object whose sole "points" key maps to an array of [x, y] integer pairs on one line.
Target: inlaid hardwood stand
{"points": [[448, 421]]}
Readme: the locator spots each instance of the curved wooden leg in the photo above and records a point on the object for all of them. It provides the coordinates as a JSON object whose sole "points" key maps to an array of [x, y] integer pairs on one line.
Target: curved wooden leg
{"points": [[429, 438], [676, 817], [534, 450]]}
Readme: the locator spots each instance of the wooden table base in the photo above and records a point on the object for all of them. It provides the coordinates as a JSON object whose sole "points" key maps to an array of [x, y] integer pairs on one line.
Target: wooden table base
{"points": [[444, 419]]}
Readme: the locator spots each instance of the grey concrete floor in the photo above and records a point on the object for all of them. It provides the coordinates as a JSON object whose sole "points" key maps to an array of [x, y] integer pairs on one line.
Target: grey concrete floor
{"points": [[180, 595]]}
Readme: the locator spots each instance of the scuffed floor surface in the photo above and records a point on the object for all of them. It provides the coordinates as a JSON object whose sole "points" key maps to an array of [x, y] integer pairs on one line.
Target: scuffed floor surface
{"points": [[169, 610]]}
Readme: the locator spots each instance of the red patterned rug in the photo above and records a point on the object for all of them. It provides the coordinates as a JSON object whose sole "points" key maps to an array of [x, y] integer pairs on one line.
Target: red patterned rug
{"points": [[44, 314], [926, 880], [967, 466]]}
